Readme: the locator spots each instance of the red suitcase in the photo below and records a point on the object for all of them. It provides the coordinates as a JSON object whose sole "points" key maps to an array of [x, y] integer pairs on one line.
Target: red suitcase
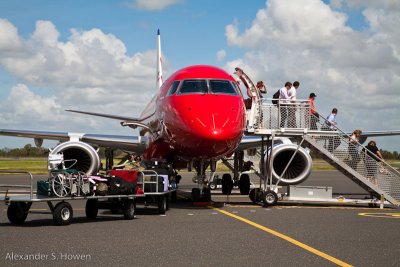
{"points": [[130, 176]]}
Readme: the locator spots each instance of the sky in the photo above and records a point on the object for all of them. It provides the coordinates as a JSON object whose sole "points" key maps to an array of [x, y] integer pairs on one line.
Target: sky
{"points": [[100, 55]]}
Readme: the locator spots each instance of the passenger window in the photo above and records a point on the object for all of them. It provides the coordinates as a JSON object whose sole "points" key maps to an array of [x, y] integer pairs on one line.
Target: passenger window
{"points": [[172, 88], [194, 87], [222, 87]]}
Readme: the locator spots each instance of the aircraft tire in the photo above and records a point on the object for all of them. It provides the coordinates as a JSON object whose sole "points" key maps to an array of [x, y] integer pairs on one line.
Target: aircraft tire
{"points": [[255, 195], [227, 184], [207, 194], [17, 212], [244, 184], [270, 198], [195, 194], [91, 209], [62, 214]]}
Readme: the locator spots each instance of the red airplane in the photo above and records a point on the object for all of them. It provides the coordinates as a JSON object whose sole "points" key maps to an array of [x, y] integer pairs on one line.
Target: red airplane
{"points": [[196, 118]]}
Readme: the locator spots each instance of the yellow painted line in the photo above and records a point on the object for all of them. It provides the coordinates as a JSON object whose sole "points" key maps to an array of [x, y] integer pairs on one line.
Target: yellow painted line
{"points": [[382, 215], [304, 207], [285, 237]]}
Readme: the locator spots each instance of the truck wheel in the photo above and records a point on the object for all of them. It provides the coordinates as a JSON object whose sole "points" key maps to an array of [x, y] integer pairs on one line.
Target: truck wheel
{"points": [[129, 209], [62, 214], [91, 209], [162, 204], [17, 212], [270, 198], [244, 184]]}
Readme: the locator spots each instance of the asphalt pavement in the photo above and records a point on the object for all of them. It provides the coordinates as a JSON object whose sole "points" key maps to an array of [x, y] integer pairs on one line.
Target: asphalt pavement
{"points": [[231, 232]]}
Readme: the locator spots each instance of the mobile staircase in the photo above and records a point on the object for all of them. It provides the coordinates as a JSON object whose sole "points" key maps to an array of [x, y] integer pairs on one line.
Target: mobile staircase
{"points": [[295, 121]]}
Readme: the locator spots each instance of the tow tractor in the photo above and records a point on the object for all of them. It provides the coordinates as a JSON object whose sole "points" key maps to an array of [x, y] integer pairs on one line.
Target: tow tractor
{"points": [[65, 185]]}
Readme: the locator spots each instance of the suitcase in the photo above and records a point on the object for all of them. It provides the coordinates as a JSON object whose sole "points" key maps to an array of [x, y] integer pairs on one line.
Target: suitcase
{"points": [[130, 176], [42, 188]]}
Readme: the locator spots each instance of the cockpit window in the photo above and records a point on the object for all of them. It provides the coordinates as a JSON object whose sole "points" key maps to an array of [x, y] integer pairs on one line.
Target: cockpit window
{"points": [[194, 87], [222, 87], [207, 87], [172, 88]]}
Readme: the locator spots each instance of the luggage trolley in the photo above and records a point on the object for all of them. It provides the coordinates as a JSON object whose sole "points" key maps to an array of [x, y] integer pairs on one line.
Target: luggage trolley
{"points": [[68, 186]]}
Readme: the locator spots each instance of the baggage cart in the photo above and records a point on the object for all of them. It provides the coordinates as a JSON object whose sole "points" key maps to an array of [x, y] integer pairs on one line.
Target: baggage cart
{"points": [[61, 210]]}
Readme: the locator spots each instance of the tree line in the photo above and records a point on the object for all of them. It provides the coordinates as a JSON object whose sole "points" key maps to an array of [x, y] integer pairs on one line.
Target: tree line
{"points": [[29, 151], [40, 152]]}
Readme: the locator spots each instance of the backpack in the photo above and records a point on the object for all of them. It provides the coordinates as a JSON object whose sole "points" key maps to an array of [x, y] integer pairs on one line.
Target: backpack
{"points": [[275, 97]]}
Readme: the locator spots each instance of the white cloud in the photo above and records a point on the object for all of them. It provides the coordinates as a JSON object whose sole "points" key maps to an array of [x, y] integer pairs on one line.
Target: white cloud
{"points": [[22, 105], [153, 5], [9, 39], [90, 71], [307, 40], [221, 54]]}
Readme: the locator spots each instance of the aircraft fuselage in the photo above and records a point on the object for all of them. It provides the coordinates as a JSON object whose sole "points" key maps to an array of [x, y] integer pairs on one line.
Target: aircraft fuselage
{"points": [[198, 114]]}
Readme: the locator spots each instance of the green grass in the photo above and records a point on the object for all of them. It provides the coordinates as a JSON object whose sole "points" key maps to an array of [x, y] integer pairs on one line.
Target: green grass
{"points": [[39, 166], [34, 166]]}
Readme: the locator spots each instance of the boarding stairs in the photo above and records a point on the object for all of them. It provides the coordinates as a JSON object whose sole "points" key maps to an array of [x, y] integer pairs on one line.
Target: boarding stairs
{"points": [[352, 159]]}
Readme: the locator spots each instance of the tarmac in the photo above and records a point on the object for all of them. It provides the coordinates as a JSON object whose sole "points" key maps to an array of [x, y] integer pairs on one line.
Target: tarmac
{"points": [[231, 232]]}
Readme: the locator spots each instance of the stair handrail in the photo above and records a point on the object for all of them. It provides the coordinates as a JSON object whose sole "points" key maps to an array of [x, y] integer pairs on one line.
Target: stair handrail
{"points": [[358, 144]]}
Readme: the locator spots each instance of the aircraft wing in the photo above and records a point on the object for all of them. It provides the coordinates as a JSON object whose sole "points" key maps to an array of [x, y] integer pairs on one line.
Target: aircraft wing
{"points": [[251, 141], [127, 143], [115, 117], [367, 134]]}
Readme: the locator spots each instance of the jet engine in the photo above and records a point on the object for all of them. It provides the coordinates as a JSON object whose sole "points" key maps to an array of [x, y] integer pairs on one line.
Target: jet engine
{"points": [[298, 170], [78, 156]]}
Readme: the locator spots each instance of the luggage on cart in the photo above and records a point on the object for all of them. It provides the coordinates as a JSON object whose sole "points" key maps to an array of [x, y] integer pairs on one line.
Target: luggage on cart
{"points": [[130, 176], [42, 188], [118, 186]]}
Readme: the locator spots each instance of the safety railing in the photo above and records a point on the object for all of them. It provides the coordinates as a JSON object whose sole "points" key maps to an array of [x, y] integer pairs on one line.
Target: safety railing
{"points": [[292, 115], [375, 173], [357, 157]]}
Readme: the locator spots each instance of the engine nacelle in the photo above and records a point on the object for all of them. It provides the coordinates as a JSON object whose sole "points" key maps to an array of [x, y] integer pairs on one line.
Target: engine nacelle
{"points": [[87, 159], [298, 170]]}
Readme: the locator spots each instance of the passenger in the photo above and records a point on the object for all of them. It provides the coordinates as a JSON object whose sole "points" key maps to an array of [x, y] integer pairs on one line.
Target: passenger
{"points": [[314, 116], [353, 148], [372, 156], [261, 87], [283, 101], [331, 125], [292, 108]]}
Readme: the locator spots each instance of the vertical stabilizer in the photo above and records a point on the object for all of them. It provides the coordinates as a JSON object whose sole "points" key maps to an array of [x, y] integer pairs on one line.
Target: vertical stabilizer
{"points": [[160, 79]]}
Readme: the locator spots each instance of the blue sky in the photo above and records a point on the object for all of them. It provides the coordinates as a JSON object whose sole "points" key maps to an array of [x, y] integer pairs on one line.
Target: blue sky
{"points": [[66, 54]]}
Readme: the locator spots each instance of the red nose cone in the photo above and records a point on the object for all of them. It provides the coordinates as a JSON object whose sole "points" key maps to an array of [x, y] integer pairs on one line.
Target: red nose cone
{"points": [[210, 125]]}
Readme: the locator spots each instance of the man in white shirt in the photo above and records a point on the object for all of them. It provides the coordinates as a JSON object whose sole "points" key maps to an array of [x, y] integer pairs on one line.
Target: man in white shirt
{"points": [[334, 142], [283, 101], [292, 108]]}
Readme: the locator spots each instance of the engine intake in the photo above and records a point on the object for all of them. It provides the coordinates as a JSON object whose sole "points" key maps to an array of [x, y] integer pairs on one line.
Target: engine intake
{"points": [[87, 159], [298, 170]]}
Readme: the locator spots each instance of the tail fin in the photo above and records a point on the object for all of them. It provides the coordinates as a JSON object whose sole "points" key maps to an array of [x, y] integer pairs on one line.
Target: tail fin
{"points": [[160, 79]]}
